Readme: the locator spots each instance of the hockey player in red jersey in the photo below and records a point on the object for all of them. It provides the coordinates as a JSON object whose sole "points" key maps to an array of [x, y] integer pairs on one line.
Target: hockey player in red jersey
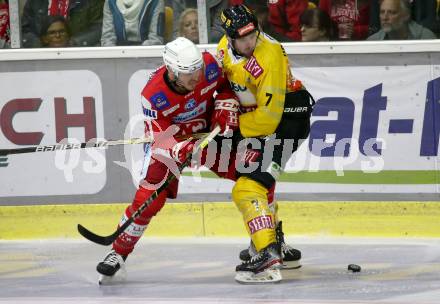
{"points": [[177, 99]]}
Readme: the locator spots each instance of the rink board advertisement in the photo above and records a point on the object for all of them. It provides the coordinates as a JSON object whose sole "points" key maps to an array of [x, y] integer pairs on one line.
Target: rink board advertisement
{"points": [[43, 108], [375, 129]]}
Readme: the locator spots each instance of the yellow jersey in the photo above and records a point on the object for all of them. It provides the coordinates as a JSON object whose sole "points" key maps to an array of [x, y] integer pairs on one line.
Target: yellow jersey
{"points": [[260, 82]]}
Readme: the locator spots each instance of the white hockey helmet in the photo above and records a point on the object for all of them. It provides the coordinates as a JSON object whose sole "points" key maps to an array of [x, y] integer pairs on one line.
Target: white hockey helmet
{"points": [[182, 56]]}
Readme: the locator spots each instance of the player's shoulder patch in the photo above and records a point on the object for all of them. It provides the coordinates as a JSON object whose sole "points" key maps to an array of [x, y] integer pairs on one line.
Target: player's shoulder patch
{"points": [[253, 67], [212, 72]]}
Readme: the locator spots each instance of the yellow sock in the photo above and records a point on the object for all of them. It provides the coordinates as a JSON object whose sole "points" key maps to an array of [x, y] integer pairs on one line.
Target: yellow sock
{"points": [[251, 199]]}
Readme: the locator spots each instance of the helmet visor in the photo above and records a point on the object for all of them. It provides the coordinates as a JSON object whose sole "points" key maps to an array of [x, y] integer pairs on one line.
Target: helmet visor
{"points": [[192, 68]]}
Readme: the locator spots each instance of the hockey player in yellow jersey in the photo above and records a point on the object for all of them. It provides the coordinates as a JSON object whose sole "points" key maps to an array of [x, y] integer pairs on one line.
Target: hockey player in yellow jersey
{"points": [[276, 111]]}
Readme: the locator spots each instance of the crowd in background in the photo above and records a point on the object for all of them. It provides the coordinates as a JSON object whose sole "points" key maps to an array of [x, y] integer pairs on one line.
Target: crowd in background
{"points": [[4, 24], [64, 23]]}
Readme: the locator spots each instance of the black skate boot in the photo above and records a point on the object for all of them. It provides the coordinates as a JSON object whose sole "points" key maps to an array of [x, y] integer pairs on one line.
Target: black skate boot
{"points": [[290, 255], [246, 254], [264, 267], [111, 264]]}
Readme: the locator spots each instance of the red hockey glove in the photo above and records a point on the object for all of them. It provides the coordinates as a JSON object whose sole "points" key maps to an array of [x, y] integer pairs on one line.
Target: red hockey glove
{"points": [[182, 150], [225, 115]]}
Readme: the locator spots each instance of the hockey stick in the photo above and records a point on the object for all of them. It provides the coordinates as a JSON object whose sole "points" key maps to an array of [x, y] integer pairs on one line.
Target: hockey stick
{"points": [[62, 147], [107, 240], [98, 144]]}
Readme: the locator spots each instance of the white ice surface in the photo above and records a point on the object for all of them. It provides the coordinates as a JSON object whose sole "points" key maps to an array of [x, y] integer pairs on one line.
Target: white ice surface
{"points": [[201, 270]]}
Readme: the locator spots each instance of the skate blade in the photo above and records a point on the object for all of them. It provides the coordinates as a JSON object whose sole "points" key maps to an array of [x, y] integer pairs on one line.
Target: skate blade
{"points": [[267, 276], [291, 265], [119, 277]]}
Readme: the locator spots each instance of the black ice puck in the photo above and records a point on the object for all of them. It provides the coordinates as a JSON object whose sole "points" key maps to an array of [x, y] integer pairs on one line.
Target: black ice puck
{"points": [[354, 268]]}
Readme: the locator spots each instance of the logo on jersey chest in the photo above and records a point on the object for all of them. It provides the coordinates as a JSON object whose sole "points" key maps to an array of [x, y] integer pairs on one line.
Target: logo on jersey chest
{"points": [[160, 101], [253, 67], [185, 116], [190, 104]]}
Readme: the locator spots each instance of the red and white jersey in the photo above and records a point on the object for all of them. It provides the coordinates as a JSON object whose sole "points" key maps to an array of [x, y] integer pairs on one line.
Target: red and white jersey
{"points": [[191, 112]]}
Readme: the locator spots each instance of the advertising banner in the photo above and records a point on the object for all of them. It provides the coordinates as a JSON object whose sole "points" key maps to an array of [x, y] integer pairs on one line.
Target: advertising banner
{"points": [[44, 108], [375, 129]]}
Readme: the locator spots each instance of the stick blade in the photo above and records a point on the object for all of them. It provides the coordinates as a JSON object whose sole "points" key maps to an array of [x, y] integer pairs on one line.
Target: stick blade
{"points": [[102, 240]]}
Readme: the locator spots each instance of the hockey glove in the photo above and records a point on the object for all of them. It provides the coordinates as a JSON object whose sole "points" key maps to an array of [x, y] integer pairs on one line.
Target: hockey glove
{"points": [[180, 151], [225, 115]]}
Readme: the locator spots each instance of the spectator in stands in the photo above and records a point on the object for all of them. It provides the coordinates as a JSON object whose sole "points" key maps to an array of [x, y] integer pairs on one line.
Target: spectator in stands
{"points": [[4, 25], [84, 18], [133, 22], [424, 12], [189, 25], [178, 6], [262, 13], [260, 9], [54, 32], [316, 25], [352, 17], [215, 7], [396, 23], [284, 16]]}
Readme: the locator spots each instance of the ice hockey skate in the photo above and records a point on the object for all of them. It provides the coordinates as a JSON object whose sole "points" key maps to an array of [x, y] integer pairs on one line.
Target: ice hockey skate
{"points": [[290, 256], [263, 267], [112, 269]]}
